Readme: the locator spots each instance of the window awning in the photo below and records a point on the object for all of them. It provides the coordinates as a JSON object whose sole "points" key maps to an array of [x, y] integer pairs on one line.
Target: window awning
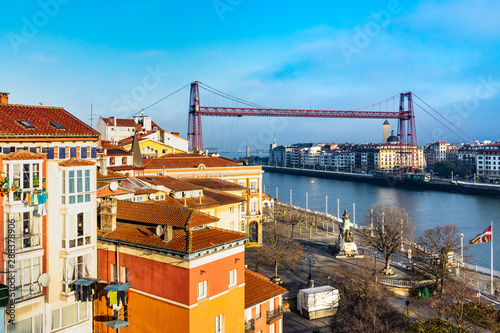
{"points": [[118, 286], [85, 281]]}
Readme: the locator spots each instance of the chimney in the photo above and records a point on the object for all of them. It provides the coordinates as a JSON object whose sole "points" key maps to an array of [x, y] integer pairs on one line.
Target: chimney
{"points": [[113, 119], [108, 214], [4, 98], [168, 233], [103, 165], [175, 133], [201, 194]]}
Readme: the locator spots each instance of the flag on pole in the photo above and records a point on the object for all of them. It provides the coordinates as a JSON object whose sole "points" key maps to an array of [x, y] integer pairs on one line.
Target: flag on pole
{"points": [[485, 237]]}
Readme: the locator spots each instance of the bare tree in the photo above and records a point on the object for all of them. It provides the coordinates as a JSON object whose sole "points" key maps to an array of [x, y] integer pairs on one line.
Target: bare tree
{"points": [[289, 216], [451, 307], [440, 244], [363, 305], [278, 249], [391, 225]]}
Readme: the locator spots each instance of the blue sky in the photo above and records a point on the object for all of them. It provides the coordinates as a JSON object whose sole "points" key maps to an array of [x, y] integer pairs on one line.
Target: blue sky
{"points": [[123, 56]]}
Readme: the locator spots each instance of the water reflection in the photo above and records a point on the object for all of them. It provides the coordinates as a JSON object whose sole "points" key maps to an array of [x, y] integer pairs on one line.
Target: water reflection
{"points": [[472, 214]]}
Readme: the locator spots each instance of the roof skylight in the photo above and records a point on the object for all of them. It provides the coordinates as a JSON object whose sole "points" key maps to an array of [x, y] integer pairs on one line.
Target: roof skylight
{"points": [[26, 124]]}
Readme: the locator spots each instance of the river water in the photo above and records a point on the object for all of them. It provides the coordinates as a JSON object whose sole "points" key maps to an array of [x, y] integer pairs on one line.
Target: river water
{"points": [[472, 214]]}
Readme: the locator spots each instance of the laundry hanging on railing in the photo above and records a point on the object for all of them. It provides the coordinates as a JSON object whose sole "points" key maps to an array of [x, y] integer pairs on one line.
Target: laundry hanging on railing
{"points": [[86, 290]]}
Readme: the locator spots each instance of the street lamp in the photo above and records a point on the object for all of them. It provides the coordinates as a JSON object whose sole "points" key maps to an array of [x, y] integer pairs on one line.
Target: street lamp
{"points": [[310, 257], [462, 249], [276, 192], [354, 214], [307, 201], [371, 220], [402, 248], [338, 208], [326, 209]]}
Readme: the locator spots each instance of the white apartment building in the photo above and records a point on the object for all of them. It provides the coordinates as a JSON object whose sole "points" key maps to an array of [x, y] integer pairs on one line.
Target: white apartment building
{"points": [[48, 173]]}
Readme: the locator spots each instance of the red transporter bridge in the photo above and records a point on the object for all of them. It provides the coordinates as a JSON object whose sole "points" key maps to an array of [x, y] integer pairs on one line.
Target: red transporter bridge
{"points": [[406, 120]]}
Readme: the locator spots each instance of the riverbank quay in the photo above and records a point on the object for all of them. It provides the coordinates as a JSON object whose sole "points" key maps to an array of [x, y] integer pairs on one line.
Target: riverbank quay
{"points": [[433, 184], [325, 264]]}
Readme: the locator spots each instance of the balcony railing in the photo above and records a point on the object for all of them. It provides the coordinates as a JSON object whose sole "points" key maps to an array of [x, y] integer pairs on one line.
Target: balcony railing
{"points": [[250, 326], [274, 314], [253, 213], [254, 190]]}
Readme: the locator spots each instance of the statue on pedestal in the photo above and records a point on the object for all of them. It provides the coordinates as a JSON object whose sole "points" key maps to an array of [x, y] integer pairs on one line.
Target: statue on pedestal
{"points": [[345, 244]]}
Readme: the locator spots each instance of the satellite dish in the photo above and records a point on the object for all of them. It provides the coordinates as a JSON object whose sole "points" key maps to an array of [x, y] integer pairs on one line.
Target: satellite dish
{"points": [[44, 279], [159, 230], [151, 196], [113, 186]]}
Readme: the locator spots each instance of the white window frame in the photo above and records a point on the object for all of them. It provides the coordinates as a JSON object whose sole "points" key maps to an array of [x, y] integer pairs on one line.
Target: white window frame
{"points": [[75, 233], [80, 318], [17, 179], [82, 181], [32, 319], [219, 324], [253, 185], [30, 234], [75, 267], [26, 279], [202, 290], [233, 278]]}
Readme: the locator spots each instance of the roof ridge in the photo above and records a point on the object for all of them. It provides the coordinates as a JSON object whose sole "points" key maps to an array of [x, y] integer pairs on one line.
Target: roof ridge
{"points": [[33, 106]]}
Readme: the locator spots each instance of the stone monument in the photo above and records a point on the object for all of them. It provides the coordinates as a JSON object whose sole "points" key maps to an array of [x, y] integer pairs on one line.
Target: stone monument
{"points": [[345, 244]]}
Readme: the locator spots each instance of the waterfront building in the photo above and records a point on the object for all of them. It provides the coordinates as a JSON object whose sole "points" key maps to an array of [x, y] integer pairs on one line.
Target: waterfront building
{"points": [[48, 169], [488, 160], [336, 159], [387, 157], [263, 304], [439, 151], [185, 275]]}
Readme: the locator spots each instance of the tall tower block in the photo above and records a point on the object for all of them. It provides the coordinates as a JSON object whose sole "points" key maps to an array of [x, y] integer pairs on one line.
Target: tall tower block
{"points": [[386, 131]]}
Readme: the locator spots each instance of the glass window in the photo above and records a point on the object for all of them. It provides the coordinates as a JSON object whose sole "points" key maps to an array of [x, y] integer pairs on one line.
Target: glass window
{"points": [[202, 290]]}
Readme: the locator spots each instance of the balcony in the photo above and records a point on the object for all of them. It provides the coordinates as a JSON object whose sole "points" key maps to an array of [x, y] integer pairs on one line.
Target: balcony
{"points": [[253, 213], [254, 190], [273, 315], [250, 326]]}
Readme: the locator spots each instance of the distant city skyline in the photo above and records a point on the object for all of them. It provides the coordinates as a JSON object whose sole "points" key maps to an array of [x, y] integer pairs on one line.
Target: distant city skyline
{"points": [[123, 58]]}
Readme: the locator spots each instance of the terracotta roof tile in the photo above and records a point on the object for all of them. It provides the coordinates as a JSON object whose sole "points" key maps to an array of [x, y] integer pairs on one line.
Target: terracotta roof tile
{"points": [[158, 214], [120, 122], [74, 161], [117, 152], [111, 175], [221, 197], [193, 203], [106, 192], [216, 183], [258, 288], [171, 183], [175, 161], [181, 241], [22, 155], [41, 117], [128, 184]]}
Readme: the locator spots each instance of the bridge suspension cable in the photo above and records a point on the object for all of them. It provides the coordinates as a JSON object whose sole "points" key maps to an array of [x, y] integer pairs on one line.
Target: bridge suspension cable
{"points": [[430, 107]]}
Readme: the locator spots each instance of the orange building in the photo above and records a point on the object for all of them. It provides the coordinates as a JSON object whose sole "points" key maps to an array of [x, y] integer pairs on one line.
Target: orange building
{"points": [[185, 275], [263, 304], [201, 166]]}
